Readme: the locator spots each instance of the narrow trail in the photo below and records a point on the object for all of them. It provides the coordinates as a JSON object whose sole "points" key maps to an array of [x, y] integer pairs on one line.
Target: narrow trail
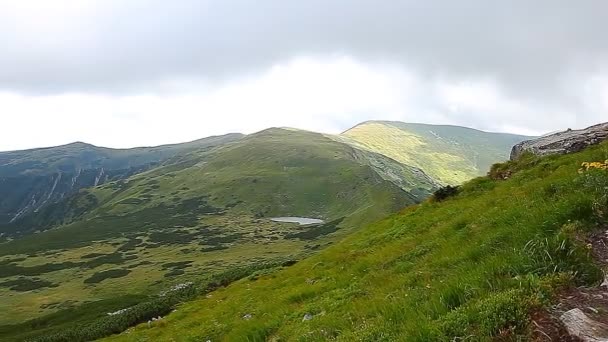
{"points": [[581, 313]]}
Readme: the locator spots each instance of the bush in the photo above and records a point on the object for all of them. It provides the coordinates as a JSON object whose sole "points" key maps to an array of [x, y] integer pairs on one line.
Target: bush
{"points": [[503, 171], [154, 307], [496, 313], [445, 192]]}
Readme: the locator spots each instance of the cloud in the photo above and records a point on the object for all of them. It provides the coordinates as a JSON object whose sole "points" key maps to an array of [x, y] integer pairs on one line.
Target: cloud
{"points": [[144, 72], [114, 45], [327, 94]]}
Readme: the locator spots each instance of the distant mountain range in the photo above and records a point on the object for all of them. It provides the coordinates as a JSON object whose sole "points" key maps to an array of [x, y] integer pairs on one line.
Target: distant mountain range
{"points": [[31, 179], [449, 154]]}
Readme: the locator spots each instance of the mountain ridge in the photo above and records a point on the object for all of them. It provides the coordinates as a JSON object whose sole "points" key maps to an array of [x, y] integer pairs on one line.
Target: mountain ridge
{"points": [[449, 154], [31, 179]]}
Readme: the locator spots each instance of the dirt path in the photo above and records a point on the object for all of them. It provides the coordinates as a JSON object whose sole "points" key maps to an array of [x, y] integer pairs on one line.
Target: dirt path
{"points": [[591, 301]]}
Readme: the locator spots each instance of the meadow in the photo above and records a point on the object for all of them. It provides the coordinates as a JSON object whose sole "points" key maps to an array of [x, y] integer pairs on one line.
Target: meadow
{"points": [[472, 266]]}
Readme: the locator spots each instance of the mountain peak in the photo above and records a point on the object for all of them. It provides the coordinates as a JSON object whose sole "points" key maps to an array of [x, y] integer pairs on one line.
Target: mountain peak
{"points": [[79, 144]]}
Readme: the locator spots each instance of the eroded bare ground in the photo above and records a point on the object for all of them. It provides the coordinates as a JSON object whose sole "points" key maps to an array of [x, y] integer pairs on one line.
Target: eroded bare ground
{"points": [[592, 301]]}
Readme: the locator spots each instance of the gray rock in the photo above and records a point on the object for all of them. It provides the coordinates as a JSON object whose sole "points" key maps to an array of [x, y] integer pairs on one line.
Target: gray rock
{"points": [[569, 141], [247, 317], [307, 317], [581, 326]]}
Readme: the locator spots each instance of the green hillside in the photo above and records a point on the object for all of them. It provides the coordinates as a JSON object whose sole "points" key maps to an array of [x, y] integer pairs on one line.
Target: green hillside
{"points": [[83, 156], [450, 154], [473, 267], [33, 179], [200, 214]]}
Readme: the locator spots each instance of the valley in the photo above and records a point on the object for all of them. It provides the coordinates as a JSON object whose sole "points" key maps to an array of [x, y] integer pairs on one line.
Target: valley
{"points": [[303, 171], [268, 200]]}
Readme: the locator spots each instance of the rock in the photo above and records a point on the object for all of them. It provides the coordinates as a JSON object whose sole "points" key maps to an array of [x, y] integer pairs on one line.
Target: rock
{"points": [[307, 317], [581, 326], [247, 317], [569, 141]]}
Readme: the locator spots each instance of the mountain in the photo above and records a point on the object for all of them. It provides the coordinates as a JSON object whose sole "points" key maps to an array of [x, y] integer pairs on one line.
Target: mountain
{"points": [[197, 215], [481, 264], [449, 154], [31, 179], [192, 215]]}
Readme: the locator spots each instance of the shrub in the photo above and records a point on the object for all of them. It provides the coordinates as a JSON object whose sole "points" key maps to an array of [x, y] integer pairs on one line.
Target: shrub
{"points": [[503, 171], [445, 192], [154, 307], [499, 312]]}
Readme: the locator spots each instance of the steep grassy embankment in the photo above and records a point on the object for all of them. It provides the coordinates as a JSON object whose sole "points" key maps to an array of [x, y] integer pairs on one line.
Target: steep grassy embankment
{"points": [[449, 154], [473, 266]]}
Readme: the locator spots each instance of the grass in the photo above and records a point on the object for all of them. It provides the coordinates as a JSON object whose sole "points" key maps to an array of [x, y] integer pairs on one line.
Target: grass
{"points": [[471, 266], [449, 154], [33, 178], [204, 213]]}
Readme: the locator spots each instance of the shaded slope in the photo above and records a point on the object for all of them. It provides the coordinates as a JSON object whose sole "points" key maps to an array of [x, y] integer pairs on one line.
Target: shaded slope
{"points": [[31, 179], [449, 154], [472, 266]]}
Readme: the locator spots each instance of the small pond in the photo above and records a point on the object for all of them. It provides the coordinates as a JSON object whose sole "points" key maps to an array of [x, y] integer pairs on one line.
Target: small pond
{"points": [[301, 220]]}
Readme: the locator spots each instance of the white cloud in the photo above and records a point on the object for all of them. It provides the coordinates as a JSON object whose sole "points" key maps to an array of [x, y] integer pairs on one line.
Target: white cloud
{"points": [[322, 93]]}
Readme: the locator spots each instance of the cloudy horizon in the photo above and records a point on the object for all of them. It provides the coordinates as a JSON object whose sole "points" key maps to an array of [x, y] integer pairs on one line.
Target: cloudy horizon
{"points": [[142, 73]]}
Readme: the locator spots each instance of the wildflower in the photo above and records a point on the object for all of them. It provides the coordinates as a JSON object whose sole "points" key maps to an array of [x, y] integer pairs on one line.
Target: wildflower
{"points": [[586, 166]]}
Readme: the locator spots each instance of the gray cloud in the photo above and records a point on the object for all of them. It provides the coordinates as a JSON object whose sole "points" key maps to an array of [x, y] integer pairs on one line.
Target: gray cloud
{"points": [[531, 47]]}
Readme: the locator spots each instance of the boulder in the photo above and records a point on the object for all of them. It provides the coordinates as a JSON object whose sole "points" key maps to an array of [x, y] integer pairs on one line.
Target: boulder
{"points": [[584, 328], [569, 141]]}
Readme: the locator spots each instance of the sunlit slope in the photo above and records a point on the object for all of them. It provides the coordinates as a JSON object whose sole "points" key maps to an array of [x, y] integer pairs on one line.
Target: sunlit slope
{"points": [[475, 265], [449, 154]]}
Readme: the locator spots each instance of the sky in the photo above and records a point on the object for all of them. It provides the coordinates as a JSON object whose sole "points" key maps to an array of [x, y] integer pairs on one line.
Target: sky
{"points": [[147, 72]]}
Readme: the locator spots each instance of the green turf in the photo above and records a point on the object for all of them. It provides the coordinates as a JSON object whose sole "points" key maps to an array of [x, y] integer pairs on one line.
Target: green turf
{"points": [[449, 154], [472, 266]]}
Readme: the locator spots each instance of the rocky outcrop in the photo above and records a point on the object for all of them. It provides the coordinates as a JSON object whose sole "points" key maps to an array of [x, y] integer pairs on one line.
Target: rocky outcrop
{"points": [[584, 328], [569, 141]]}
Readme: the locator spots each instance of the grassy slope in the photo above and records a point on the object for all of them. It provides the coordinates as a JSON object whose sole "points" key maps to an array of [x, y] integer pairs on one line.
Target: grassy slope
{"points": [[34, 180], [75, 156], [273, 173], [449, 154], [210, 209], [474, 265]]}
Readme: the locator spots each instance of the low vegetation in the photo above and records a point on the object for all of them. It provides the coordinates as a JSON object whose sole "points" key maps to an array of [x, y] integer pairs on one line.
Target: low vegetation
{"points": [[69, 325], [449, 154], [202, 213], [444, 193], [473, 267]]}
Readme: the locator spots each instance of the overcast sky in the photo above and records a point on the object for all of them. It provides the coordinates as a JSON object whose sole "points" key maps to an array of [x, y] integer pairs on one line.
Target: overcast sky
{"points": [[124, 73]]}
